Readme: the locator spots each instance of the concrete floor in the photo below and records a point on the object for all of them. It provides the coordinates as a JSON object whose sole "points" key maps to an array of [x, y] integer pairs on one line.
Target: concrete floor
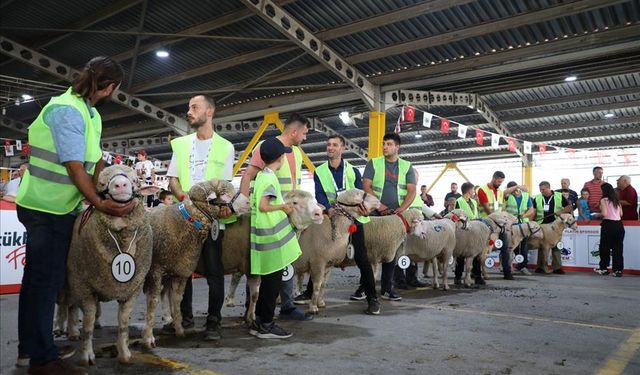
{"points": [[543, 324]]}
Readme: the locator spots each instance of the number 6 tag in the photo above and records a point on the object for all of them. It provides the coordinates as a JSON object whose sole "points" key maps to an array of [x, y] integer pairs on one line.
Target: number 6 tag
{"points": [[123, 267], [404, 262]]}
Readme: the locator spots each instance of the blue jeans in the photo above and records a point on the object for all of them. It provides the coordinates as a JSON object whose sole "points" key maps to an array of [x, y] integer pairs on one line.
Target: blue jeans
{"points": [[286, 295], [47, 247], [504, 254]]}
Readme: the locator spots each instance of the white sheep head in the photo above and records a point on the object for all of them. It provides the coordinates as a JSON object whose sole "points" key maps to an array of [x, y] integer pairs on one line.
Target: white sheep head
{"points": [[120, 183], [351, 199], [459, 218], [209, 195], [412, 214], [306, 210], [569, 221]]}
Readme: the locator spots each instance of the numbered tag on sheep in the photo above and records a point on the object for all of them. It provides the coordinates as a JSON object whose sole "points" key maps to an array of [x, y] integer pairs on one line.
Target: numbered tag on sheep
{"points": [[287, 273], [404, 262], [350, 251], [498, 244], [489, 262], [123, 267], [519, 258], [560, 245], [215, 230]]}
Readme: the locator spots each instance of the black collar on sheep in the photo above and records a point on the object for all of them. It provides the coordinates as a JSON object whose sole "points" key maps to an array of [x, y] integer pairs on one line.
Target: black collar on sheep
{"points": [[360, 205]]}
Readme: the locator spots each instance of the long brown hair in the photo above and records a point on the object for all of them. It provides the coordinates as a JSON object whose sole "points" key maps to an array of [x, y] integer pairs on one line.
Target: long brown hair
{"points": [[609, 193], [96, 75]]}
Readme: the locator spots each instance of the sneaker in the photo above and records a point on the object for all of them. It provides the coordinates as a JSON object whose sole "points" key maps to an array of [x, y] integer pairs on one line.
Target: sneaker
{"points": [[373, 308], [64, 352], [56, 367], [508, 276], [186, 324], [525, 271], [539, 270], [617, 274], [480, 281], [601, 272], [212, 331], [391, 296], [559, 271], [269, 331], [457, 282], [295, 314], [358, 295], [302, 299], [418, 284]]}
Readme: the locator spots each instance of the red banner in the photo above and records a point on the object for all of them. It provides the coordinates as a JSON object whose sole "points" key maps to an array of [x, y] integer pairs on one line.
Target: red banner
{"points": [[542, 148], [512, 144], [444, 125], [479, 137], [409, 113]]}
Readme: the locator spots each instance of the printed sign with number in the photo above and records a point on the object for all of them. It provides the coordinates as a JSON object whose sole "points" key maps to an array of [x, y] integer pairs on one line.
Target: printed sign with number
{"points": [[404, 262], [287, 273], [489, 262], [123, 267], [519, 258]]}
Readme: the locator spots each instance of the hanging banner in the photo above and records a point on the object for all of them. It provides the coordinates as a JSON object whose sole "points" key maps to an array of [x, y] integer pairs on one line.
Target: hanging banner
{"points": [[479, 137], [8, 148], [495, 140], [426, 119], [18, 145], [527, 147], [542, 148], [409, 113], [512, 144], [444, 125], [462, 131]]}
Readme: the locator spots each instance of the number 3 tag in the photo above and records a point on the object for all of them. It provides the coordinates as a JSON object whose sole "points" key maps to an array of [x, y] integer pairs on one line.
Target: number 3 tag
{"points": [[404, 262], [498, 244], [123, 267]]}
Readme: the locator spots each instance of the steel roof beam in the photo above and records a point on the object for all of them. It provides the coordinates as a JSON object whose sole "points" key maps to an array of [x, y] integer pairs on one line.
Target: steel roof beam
{"points": [[572, 111], [568, 126], [286, 24], [15, 125], [67, 73]]}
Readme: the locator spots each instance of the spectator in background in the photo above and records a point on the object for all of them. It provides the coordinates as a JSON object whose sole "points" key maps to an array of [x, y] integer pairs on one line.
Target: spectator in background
{"points": [[449, 206], [628, 198], [453, 194], [595, 193], [165, 198], [11, 188], [583, 206], [573, 196], [146, 173], [426, 197], [611, 233]]}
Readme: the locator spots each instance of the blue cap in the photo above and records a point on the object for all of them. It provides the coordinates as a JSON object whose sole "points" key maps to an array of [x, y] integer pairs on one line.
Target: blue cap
{"points": [[271, 149]]}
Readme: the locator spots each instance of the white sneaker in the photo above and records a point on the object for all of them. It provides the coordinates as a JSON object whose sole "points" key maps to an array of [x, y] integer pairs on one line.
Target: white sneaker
{"points": [[525, 271]]}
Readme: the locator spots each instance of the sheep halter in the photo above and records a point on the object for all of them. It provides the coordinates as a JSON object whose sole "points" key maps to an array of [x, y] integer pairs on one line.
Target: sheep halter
{"points": [[407, 227], [123, 265]]}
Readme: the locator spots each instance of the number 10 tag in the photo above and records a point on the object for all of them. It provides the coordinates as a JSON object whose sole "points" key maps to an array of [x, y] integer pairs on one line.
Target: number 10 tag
{"points": [[123, 267]]}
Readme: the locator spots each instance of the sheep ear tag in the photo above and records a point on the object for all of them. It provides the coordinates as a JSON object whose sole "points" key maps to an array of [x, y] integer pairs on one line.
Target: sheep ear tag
{"points": [[123, 267], [498, 244], [287, 273], [215, 229], [519, 258], [404, 262], [350, 251]]}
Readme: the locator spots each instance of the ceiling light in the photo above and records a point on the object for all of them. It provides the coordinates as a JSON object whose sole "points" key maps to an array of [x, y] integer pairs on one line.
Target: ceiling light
{"points": [[609, 115], [162, 53], [27, 97], [344, 116], [571, 78], [470, 106], [418, 136]]}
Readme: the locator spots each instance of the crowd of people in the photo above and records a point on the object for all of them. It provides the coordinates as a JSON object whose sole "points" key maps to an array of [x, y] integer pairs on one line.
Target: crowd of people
{"points": [[66, 158]]}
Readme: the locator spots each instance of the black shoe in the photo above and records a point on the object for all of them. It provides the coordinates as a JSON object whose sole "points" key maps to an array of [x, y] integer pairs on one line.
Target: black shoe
{"points": [[508, 276], [302, 299], [268, 331], [391, 296], [373, 308], [212, 331], [480, 281], [418, 284], [617, 274], [401, 285], [359, 295], [539, 270], [457, 282], [186, 324], [559, 271], [64, 352]]}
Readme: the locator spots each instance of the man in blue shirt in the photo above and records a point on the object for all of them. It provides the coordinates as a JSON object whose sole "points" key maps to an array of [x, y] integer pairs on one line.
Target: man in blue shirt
{"points": [[523, 217], [336, 166]]}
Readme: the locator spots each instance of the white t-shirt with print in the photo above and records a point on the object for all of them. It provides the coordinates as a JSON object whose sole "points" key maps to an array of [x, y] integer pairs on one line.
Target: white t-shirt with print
{"points": [[198, 162]]}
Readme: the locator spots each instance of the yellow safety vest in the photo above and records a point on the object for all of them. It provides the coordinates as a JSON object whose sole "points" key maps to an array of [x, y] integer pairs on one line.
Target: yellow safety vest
{"points": [[377, 183], [46, 185], [470, 209], [495, 205], [557, 205], [512, 206], [329, 186]]}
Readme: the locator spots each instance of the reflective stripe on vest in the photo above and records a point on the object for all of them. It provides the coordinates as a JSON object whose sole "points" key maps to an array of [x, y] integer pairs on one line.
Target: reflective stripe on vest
{"points": [[273, 240], [470, 209], [492, 199], [217, 158], [377, 184], [46, 185], [511, 205], [557, 205]]}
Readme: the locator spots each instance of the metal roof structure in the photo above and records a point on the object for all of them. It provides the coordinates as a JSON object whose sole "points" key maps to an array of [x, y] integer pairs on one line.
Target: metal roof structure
{"points": [[513, 54]]}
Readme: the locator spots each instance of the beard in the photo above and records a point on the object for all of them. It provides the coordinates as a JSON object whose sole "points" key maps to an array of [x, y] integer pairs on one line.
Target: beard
{"points": [[194, 123]]}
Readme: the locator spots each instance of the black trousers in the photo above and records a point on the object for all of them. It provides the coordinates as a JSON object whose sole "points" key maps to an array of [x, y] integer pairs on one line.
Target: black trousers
{"points": [[269, 290], [386, 279], [214, 272], [411, 276], [460, 267], [611, 239], [361, 257], [45, 270], [524, 251]]}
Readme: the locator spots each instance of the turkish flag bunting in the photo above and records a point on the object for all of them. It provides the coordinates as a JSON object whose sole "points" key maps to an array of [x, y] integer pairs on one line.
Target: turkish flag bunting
{"points": [[512, 144], [117, 159], [409, 113], [25, 149], [479, 137], [444, 125], [542, 148]]}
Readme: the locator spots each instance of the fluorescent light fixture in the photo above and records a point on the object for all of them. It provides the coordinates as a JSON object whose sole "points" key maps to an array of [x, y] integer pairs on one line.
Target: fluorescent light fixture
{"points": [[571, 78], [418, 136], [162, 53], [470, 106], [609, 115], [27, 97], [344, 116]]}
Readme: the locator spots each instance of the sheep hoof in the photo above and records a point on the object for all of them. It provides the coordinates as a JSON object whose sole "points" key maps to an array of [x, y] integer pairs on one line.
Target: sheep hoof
{"points": [[125, 360], [59, 333], [229, 302], [74, 337], [149, 342], [313, 310], [445, 288], [88, 361], [322, 304]]}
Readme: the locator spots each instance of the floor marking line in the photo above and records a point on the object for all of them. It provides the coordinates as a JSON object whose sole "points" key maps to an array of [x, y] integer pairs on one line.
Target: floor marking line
{"points": [[618, 360]]}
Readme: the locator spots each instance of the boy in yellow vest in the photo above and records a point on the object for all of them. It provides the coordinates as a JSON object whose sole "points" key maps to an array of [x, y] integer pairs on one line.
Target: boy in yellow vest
{"points": [[271, 249]]}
